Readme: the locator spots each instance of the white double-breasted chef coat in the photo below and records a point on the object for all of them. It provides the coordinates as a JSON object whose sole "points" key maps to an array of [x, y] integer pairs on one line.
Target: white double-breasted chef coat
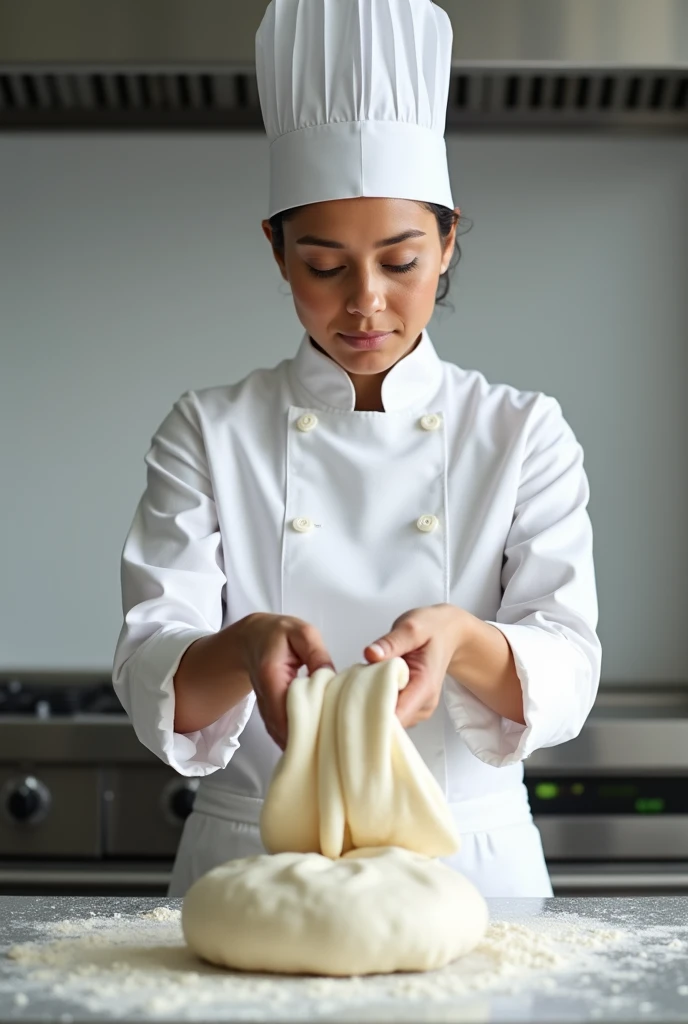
{"points": [[274, 495]]}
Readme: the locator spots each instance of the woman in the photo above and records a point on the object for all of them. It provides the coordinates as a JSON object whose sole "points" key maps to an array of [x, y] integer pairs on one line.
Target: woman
{"points": [[362, 499]]}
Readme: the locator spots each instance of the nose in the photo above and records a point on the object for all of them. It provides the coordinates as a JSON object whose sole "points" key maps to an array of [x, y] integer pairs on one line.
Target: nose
{"points": [[367, 296]]}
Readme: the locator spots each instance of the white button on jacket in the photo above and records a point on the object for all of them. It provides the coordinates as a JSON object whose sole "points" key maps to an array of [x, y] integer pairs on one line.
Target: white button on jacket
{"points": [[307, 422], [498, 496], [303, 524], [426, 524]]}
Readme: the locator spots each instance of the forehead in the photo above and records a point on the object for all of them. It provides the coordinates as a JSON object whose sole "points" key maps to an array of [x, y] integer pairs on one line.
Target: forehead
{"points": [[365, 219]]}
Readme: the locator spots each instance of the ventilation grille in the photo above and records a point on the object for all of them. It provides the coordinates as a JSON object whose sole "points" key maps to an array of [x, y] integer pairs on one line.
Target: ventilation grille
{"points": [[479, 98], [554, 98]]}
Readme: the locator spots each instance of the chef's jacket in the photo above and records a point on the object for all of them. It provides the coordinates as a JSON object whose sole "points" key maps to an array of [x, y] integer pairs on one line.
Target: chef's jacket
{"points": [[274, 494]]}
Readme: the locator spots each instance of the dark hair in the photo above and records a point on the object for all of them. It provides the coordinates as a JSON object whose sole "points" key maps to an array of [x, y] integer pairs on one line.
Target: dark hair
{"points": [[445, 217]]}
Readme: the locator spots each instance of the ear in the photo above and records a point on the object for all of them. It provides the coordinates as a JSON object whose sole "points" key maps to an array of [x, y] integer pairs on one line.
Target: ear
{"points": [[450, 243], [279, 257]]}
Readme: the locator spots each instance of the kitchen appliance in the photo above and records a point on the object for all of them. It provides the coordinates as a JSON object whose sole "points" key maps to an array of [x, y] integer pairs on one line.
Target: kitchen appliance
{"points": [[84, 807], [612, 805], [529, 64]]}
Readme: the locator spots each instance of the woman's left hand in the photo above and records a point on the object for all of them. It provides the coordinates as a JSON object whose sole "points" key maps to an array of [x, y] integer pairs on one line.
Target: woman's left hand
{"points": [[427, 639]]}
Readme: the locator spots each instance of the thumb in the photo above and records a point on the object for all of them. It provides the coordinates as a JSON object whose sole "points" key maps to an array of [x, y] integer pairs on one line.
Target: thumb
{"points": [[390, 645]]}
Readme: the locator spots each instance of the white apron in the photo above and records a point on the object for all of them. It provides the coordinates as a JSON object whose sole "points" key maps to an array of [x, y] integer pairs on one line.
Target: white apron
{"points": [[502, 861], [232, 469]]}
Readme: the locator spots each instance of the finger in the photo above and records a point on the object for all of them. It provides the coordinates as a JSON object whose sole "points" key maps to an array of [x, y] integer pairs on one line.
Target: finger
{"points": [[271, 687], [307, 643], [406, 637], [275, 724], [415, 701], [277, 738]]}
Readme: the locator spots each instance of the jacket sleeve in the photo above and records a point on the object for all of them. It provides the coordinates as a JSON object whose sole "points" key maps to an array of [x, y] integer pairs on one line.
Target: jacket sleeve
{"points": [[548, 611], [172, 594]]}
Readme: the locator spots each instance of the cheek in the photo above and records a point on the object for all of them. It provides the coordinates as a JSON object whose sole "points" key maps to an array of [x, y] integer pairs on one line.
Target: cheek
{"points": [[311, 298], [415, 292]]}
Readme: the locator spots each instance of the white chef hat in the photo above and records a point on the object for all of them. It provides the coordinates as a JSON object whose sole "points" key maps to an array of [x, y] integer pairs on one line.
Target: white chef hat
{"points": [[354, 99]]}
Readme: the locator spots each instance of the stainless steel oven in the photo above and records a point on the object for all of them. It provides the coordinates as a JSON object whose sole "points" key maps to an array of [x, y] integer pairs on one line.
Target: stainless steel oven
{"points": [[612, 805], [84, 807]]}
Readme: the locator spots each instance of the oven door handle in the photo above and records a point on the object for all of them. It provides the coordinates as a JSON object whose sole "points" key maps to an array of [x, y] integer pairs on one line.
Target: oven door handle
{"points": [[612, 881], [121, 878]]}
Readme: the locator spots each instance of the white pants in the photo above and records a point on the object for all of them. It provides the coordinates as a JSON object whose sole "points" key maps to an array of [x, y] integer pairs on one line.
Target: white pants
{"points": [[503, 861]]}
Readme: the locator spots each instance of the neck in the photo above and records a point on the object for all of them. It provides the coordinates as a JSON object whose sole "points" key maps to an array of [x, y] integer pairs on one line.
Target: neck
{"points": [[368, 391], [368, 387]]}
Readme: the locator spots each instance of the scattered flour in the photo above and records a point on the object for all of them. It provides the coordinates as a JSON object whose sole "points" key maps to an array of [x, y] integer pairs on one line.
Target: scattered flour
{"points": [[139, 966]]}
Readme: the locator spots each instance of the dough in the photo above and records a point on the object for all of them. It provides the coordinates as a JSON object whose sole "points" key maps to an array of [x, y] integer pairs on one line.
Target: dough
{"points": [[350, 776], [372, 911], [352, 821]]}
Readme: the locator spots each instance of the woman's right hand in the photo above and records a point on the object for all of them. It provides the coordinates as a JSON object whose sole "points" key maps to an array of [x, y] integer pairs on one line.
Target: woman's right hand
{"points": [[275, 647]]}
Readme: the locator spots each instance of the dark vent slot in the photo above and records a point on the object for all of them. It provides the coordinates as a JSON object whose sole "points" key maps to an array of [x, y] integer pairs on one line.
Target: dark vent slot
{"points": [[183, 90], [681, 98], [559, 98], [658, 93], [30, 91], [461, 93], [512, 91], [607, 92], [582, 92], [142, 82], [633, 94], [6, 92], [99, 93], [122, 90], [207, 91], [242, 92], [536, 90]]}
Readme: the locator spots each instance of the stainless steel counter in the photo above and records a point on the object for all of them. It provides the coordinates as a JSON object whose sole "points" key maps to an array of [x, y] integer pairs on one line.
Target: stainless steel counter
{"points": [[645, 982]]}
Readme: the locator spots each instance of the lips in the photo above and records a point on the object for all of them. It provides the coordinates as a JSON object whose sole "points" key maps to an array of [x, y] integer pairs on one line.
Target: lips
{"points": [[365, 335], [366, 342]]}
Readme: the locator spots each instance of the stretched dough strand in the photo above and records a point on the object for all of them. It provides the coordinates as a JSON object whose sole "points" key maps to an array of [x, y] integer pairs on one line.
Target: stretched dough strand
{"points": [[350, 776]]}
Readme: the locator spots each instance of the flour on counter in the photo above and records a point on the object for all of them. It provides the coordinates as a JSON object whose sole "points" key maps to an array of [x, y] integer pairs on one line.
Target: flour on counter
{"points": [[139, 965]]}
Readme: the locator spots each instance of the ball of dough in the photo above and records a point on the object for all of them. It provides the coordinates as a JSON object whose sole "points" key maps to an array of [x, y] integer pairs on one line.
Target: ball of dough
{"points": [[373, 911]]}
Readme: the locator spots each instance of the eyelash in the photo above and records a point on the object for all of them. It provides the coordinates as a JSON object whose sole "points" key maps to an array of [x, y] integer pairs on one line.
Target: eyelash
{"points": [[400, 269]]}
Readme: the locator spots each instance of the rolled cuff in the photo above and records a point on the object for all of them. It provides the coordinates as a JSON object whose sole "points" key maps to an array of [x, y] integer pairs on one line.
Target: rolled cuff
{"points": [[559, 685], [145, 688]]}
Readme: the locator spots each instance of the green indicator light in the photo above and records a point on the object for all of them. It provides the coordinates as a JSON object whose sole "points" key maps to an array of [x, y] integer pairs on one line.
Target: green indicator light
{"points": [[546, 790], [578, 789], [650, 805]]}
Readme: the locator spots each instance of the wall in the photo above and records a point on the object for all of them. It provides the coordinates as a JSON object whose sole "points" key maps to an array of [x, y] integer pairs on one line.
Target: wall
{"points": [[133, 267]]}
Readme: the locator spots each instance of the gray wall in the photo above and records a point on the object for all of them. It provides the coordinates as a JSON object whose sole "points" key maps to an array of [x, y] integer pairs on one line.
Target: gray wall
{"points": [[133, 268]]}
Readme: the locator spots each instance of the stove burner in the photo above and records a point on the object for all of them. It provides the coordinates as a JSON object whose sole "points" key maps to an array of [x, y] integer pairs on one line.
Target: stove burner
{"points": [[48, 700]]}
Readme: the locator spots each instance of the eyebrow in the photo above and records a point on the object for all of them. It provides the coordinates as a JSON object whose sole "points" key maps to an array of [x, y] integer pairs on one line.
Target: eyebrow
{"points": [[329, 244]]}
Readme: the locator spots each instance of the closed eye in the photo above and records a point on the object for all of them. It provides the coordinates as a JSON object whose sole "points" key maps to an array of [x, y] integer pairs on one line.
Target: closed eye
{"points": [[402, 268]]}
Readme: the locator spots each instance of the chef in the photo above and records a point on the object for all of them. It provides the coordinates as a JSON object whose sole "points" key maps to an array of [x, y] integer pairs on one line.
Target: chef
{"points": [[363, 499]]}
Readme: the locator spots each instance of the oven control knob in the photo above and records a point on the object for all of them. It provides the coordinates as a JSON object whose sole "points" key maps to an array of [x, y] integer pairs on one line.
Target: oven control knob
{"points": [[26, 801], [179, 800]]}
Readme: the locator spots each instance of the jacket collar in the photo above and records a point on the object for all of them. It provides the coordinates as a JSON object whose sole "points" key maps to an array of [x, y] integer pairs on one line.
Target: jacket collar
{"points": [[410, 383]]}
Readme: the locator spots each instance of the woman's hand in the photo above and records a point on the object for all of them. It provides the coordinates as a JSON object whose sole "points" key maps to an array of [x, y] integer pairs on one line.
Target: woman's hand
{"points": [[274, 648], [427, 640]]}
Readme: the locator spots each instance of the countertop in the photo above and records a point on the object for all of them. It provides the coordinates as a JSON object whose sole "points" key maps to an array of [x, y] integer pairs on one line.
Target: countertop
{"points": [[629, 964]]}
